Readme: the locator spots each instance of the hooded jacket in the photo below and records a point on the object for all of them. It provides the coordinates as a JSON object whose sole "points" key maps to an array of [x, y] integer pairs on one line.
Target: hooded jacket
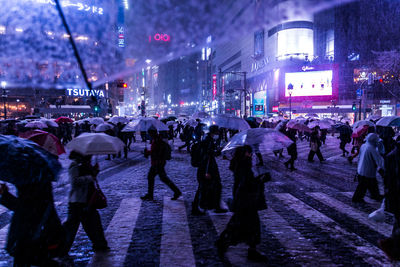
{"points": [[370, 160]]}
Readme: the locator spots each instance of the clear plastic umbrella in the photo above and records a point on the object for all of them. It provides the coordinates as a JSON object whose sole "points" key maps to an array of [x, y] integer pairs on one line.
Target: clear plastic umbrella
{"points": [[293, 124], [96, 144], [144, 124], [320, 124], [264, 138], [389, 121], [50, 123], [191, 123], [229, 122], [36, 124], [200, 115], [96, 120], [103, 127], [362, 123], [116, 120]]}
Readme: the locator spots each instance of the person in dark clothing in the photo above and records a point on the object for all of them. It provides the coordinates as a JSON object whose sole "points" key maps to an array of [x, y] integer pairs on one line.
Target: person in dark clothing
{"points": [[391, 245], [315, 144], [208, 194], [198, 131], [387, 134], [171, 132], [158, 162], [324, 133], [345, 138], [248, 198], [292, 149], [179, 128], [35, 234], [187, 136], [82, 175]]}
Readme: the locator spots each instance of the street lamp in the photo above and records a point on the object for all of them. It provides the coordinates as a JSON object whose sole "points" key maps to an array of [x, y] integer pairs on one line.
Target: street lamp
{"points": [[3, 85], [290, 90], [17, 107]]}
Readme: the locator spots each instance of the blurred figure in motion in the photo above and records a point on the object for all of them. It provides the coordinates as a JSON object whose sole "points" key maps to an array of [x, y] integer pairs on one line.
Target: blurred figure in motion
{"points": [[248, 198], [81, 176], [292, 149]]}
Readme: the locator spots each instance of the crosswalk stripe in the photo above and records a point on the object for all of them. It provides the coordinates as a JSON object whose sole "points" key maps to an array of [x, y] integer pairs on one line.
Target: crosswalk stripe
{"points": [[119, 234], [375, 204], [295, 244], [362, 248], [362, 217], [176, 244]]}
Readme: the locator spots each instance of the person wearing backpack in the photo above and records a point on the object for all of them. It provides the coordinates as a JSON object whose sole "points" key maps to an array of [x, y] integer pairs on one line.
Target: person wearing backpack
{"points": [[208, 194], [160, 152]]}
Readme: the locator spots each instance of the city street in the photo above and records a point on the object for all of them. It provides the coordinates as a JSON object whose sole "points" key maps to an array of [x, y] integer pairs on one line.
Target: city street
{"points": [[310, 220]]}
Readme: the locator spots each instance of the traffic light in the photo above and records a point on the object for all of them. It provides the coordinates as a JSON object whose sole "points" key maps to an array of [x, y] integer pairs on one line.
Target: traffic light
{"points": [[96, 108], [122, 84], [354, 107]]}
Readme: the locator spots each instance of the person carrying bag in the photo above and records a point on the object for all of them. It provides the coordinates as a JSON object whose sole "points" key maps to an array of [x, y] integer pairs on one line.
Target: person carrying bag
{"points": [[85, 198]]}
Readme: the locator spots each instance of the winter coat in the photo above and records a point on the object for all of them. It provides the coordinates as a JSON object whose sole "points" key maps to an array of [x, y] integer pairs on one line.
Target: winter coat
{"points": [[392, 181], [79, 184], [248, 190], [35, 225], [208, 163], [370, 159]]}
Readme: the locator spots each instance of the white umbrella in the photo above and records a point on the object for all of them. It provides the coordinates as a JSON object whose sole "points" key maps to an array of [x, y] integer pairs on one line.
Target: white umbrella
{"points": [[36, 124], [103, 127], [200, 115], [345, 119], [389, 121], [49, 123], [374, 117], [191, 123], [143, 125], [117, 119], [229, 122], [171, 123], [330, 121], [266, 139], [293, 124], [362, 123], [96, 120], [96, 144], [321, 124]]}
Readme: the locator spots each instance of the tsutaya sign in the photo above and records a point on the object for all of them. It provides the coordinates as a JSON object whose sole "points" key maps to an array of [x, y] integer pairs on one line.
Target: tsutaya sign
{"points": [[84, 92]]}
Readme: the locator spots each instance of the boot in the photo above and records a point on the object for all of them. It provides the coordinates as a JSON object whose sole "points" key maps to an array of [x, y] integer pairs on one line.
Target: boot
{"points": [[254, 255]]}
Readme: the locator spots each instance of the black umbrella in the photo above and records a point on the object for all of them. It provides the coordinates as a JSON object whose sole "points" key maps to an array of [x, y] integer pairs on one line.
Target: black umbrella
{"points": [[24, 162]]}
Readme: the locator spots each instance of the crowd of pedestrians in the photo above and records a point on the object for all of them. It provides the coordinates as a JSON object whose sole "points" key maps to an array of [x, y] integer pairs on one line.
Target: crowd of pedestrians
{"points": [[375, 147]]}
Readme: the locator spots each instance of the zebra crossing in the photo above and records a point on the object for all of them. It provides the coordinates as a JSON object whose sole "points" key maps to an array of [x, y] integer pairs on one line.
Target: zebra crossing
{"points": [[287, 222]]}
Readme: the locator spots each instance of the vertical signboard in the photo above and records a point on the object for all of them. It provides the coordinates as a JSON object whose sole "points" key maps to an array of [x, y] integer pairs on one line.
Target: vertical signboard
{"points": [[214, 85]]}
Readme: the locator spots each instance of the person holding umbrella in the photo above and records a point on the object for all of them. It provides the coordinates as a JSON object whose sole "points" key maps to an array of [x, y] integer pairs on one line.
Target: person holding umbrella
{"points": [[315, 144], [158, 161], [82, 175], [35, 234], [292, 149], [248, 198]]}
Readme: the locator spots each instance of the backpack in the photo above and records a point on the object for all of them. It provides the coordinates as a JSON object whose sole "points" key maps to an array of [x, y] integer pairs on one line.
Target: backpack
{"points": [[196, 154], [167, 150]]}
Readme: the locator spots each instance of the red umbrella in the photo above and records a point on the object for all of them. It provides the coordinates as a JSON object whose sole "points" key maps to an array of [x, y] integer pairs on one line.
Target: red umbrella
{"points": [[359, 131], [46, 140], [63, 119]]}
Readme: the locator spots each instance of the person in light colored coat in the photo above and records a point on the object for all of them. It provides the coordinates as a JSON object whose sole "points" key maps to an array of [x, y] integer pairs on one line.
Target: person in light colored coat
{"points": [[81, 175], [370, 161]]}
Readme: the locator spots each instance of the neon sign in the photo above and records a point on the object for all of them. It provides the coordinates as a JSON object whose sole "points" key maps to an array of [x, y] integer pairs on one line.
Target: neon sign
{"points": [[160, 37], [214, 85], [84, 92], [121, 36], [78, 5]]}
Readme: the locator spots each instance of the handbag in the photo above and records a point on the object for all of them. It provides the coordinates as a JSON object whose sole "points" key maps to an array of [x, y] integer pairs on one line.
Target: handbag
{"points": [[96, 197]]}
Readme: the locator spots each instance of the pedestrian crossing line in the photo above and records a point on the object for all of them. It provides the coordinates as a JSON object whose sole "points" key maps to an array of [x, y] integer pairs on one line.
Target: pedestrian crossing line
{"points": [[176, 244], [361, 247], [375, 204], [237, 255], [295, 244], [362, 217], [119, 234]]}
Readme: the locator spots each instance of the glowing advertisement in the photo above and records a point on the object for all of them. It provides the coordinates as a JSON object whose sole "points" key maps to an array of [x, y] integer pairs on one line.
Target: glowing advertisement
{"points": [[311, 83], [258, 103]]}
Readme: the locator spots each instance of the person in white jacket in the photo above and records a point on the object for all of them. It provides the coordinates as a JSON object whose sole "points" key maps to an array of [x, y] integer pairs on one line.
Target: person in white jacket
{"points": [[369, 162]]}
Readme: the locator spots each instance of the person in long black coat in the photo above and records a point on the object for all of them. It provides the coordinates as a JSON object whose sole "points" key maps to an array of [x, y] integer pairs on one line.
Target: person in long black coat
{"points": [[35, 234], [391, 245], [208, 194], [292, 149], [315, 144], [248, 199]]}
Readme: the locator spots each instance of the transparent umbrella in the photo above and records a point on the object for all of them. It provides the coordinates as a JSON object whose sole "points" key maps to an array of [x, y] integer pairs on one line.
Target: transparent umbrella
{"points": [[363, 122], [228, 122], [266, 140], [389, 121], [144, 124]]}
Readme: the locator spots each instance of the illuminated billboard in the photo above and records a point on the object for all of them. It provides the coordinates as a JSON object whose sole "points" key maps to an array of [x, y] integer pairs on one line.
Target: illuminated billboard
{"points": [[309, 83]]}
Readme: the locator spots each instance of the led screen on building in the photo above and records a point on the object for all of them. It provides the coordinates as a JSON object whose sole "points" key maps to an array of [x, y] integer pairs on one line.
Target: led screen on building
{"points": [[309, 83]]}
